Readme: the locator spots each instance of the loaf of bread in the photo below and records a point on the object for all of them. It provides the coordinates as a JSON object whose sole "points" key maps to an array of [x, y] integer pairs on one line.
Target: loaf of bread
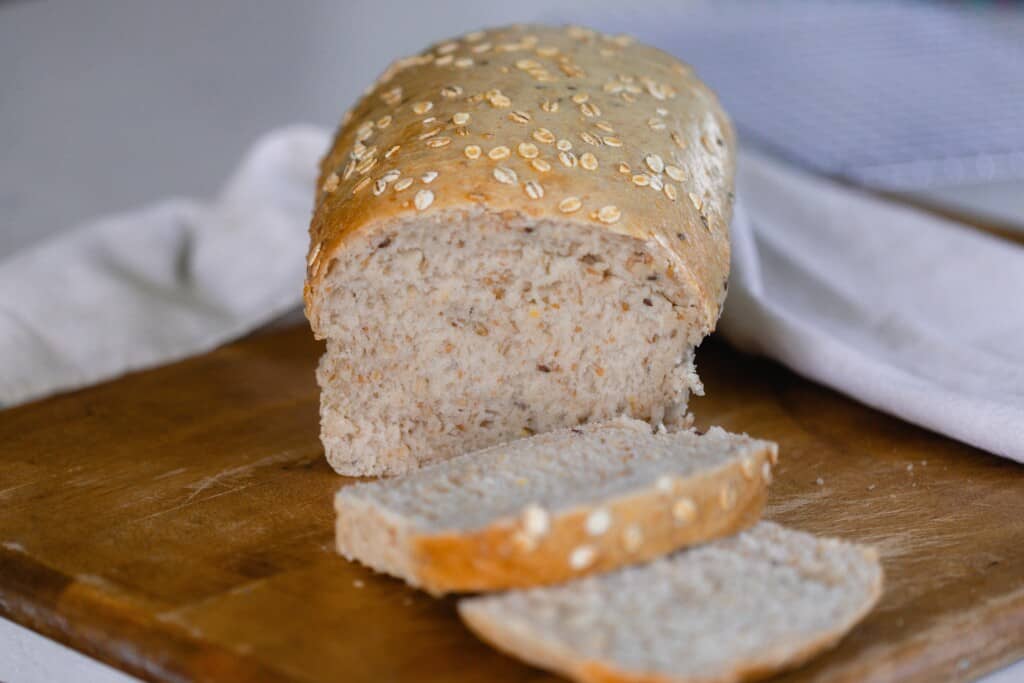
{"points": [[555, 506], [735, 609], [517, 230]]}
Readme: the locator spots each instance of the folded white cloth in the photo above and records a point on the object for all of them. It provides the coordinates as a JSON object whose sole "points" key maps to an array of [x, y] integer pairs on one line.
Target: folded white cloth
{"points": [[913, 315], [916, 316], [162, 283]]}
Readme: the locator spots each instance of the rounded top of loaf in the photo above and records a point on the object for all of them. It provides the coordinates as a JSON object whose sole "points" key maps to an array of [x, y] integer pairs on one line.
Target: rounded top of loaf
{"points": [[542, 123]]}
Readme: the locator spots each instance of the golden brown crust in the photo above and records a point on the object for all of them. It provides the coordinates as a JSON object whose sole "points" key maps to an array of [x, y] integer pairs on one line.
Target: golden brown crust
{"points": [[639, 527], [487, 121]]}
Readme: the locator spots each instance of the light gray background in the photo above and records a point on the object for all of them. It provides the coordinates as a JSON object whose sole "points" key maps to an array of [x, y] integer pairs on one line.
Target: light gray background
{"points": [[106, 105], [109, 104]]}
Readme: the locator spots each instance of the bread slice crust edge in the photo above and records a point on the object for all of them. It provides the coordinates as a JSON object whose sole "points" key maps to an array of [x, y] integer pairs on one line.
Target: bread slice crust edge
{"points": [[641, 525]]}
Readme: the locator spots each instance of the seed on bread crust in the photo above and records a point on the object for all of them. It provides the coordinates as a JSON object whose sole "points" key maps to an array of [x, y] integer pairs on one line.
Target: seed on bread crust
{"points": [[675, 173], [747, 466], [423, 199], [570, 205], [535, 521], [505, 175], [498, 153], [313, 253], [632, 538], [598, 522], [331, 184], [684, 510], [609, 214], [527, 150], [544, 136], [361, 185], [654, 163], [582, 557], [727, 497]]}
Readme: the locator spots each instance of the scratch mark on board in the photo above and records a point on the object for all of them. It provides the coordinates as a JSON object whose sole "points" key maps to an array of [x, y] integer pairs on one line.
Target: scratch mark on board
{"points": [[170, 473], [191, 500], [4, 492], [782, 507], [232, 472]]}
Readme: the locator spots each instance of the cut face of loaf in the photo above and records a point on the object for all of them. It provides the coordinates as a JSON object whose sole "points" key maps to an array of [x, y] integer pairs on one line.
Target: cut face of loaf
{"points": [[555, 506], [735, 609], [519, 230], [466, 330]]}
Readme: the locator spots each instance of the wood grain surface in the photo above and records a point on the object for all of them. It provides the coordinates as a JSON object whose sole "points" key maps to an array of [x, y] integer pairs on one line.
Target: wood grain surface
{"points": [[177, 524]]}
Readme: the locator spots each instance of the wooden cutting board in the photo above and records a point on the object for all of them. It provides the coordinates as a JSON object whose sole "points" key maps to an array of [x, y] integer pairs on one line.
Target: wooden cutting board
{"points": [[177, 524]]}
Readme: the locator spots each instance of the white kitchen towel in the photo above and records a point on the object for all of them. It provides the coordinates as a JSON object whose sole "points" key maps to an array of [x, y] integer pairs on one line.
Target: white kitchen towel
{"points": [[162, 283], [917, 316], [914, 315]]}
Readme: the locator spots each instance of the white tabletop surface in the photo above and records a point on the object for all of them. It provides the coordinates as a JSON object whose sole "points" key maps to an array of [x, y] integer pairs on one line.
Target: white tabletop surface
{"points": [[109, 104]]}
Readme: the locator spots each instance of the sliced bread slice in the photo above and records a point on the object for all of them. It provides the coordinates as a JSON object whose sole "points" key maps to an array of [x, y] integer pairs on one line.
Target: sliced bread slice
{"points": [[734, 609], [555, 506]]}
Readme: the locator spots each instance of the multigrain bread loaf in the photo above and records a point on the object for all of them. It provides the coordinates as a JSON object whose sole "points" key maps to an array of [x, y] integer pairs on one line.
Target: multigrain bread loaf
{"points": [[735, 609], [517, 230], [555, 506]]}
